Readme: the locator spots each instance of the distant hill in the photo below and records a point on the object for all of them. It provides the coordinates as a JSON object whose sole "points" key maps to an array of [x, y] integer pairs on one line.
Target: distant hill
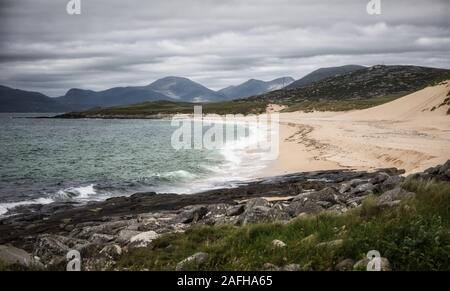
{"points": [[15, 100], [376, 81], [324, 73], [255, 87], [183, 89], [79, 99]]}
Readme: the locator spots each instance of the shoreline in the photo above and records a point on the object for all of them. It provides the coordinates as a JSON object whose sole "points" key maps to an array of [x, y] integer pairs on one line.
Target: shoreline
{"points": [[105, 232]]}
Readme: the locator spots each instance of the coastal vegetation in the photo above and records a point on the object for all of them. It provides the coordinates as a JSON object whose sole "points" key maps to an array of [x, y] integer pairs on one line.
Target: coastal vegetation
{"points": [[414, 236]]}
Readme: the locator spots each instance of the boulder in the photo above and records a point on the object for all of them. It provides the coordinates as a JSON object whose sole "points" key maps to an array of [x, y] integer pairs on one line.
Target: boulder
{"points": [[363, 189], [306, 205], [379, 177], [235, 210], [10, 256], [345, 187], [393, 197], [192, 214], [196, 259], [125, 235], [327, 194], [257, 214], [53, 248], [143, 239], [256, 202], [112, 252], [99, 238], [390, 183]]}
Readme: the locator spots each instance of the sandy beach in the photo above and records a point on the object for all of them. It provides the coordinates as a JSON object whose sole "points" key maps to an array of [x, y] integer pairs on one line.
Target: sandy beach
{"points": [[406, 133]]}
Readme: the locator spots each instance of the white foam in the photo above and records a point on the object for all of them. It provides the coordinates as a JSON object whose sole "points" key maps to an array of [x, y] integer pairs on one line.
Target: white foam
{"points": [[5, 207], [77, 193]]}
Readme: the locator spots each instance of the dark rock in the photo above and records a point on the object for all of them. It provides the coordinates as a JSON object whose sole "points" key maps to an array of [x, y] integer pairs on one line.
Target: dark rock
{"points": [[235, 210], [328, 194], [393, 197], [256, 202], [379, 178], [390, 183], [192, 215], [363, 189], [307, 206], [256, 214]]}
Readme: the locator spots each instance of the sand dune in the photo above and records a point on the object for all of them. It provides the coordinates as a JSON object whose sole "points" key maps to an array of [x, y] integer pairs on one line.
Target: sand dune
{"points": [[405, 133], [416, 105]]}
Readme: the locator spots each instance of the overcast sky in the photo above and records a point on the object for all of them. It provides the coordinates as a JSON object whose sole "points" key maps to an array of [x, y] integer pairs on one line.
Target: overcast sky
{"points": [[215, 42]]}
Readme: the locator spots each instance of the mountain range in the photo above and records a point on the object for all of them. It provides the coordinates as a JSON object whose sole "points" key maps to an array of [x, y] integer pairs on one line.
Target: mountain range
{"points": [[334, 83], [168, 88], [255, 87]]}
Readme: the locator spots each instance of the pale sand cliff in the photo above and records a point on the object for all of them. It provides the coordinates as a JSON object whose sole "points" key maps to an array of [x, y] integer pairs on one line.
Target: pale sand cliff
{"points": [[405, 133]]}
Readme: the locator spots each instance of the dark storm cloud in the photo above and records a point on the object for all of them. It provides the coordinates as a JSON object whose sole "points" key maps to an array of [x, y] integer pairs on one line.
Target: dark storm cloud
{"points": [[215, 42]]}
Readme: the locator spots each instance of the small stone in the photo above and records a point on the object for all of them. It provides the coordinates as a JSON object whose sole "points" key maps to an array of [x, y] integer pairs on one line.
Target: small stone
{"points": [[278, 243], [111, 251], [291, 268], [270, 267], [345, 265], [196, 259], [331, 244]]}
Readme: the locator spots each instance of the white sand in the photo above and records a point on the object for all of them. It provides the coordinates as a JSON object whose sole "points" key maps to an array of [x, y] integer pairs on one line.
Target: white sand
{"points": [[404, 133]]}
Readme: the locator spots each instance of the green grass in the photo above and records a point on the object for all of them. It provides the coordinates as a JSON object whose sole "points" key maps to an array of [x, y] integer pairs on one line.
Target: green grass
{"points": [[339, 105], [413, 236]]}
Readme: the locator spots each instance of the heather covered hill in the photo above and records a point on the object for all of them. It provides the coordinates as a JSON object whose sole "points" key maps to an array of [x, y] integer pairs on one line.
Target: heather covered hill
{"points": [[373, 82]]}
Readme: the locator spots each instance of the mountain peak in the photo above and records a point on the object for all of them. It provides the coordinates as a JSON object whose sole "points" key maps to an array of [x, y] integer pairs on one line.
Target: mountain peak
{"points": [[254, 87]]}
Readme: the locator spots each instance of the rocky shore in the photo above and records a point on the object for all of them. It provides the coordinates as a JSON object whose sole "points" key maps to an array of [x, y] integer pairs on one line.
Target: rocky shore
{"points": [[39, 237]]}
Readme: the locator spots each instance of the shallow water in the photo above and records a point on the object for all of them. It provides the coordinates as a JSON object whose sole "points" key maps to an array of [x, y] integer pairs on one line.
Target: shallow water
{"points": [[46, 160]]}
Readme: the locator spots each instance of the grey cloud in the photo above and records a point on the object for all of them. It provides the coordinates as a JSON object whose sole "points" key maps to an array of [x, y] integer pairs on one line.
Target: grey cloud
{"points": [[215, 42]]}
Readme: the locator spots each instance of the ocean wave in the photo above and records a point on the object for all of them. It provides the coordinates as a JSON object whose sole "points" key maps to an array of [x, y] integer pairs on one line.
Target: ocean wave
{"points": [[77, 193]]}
